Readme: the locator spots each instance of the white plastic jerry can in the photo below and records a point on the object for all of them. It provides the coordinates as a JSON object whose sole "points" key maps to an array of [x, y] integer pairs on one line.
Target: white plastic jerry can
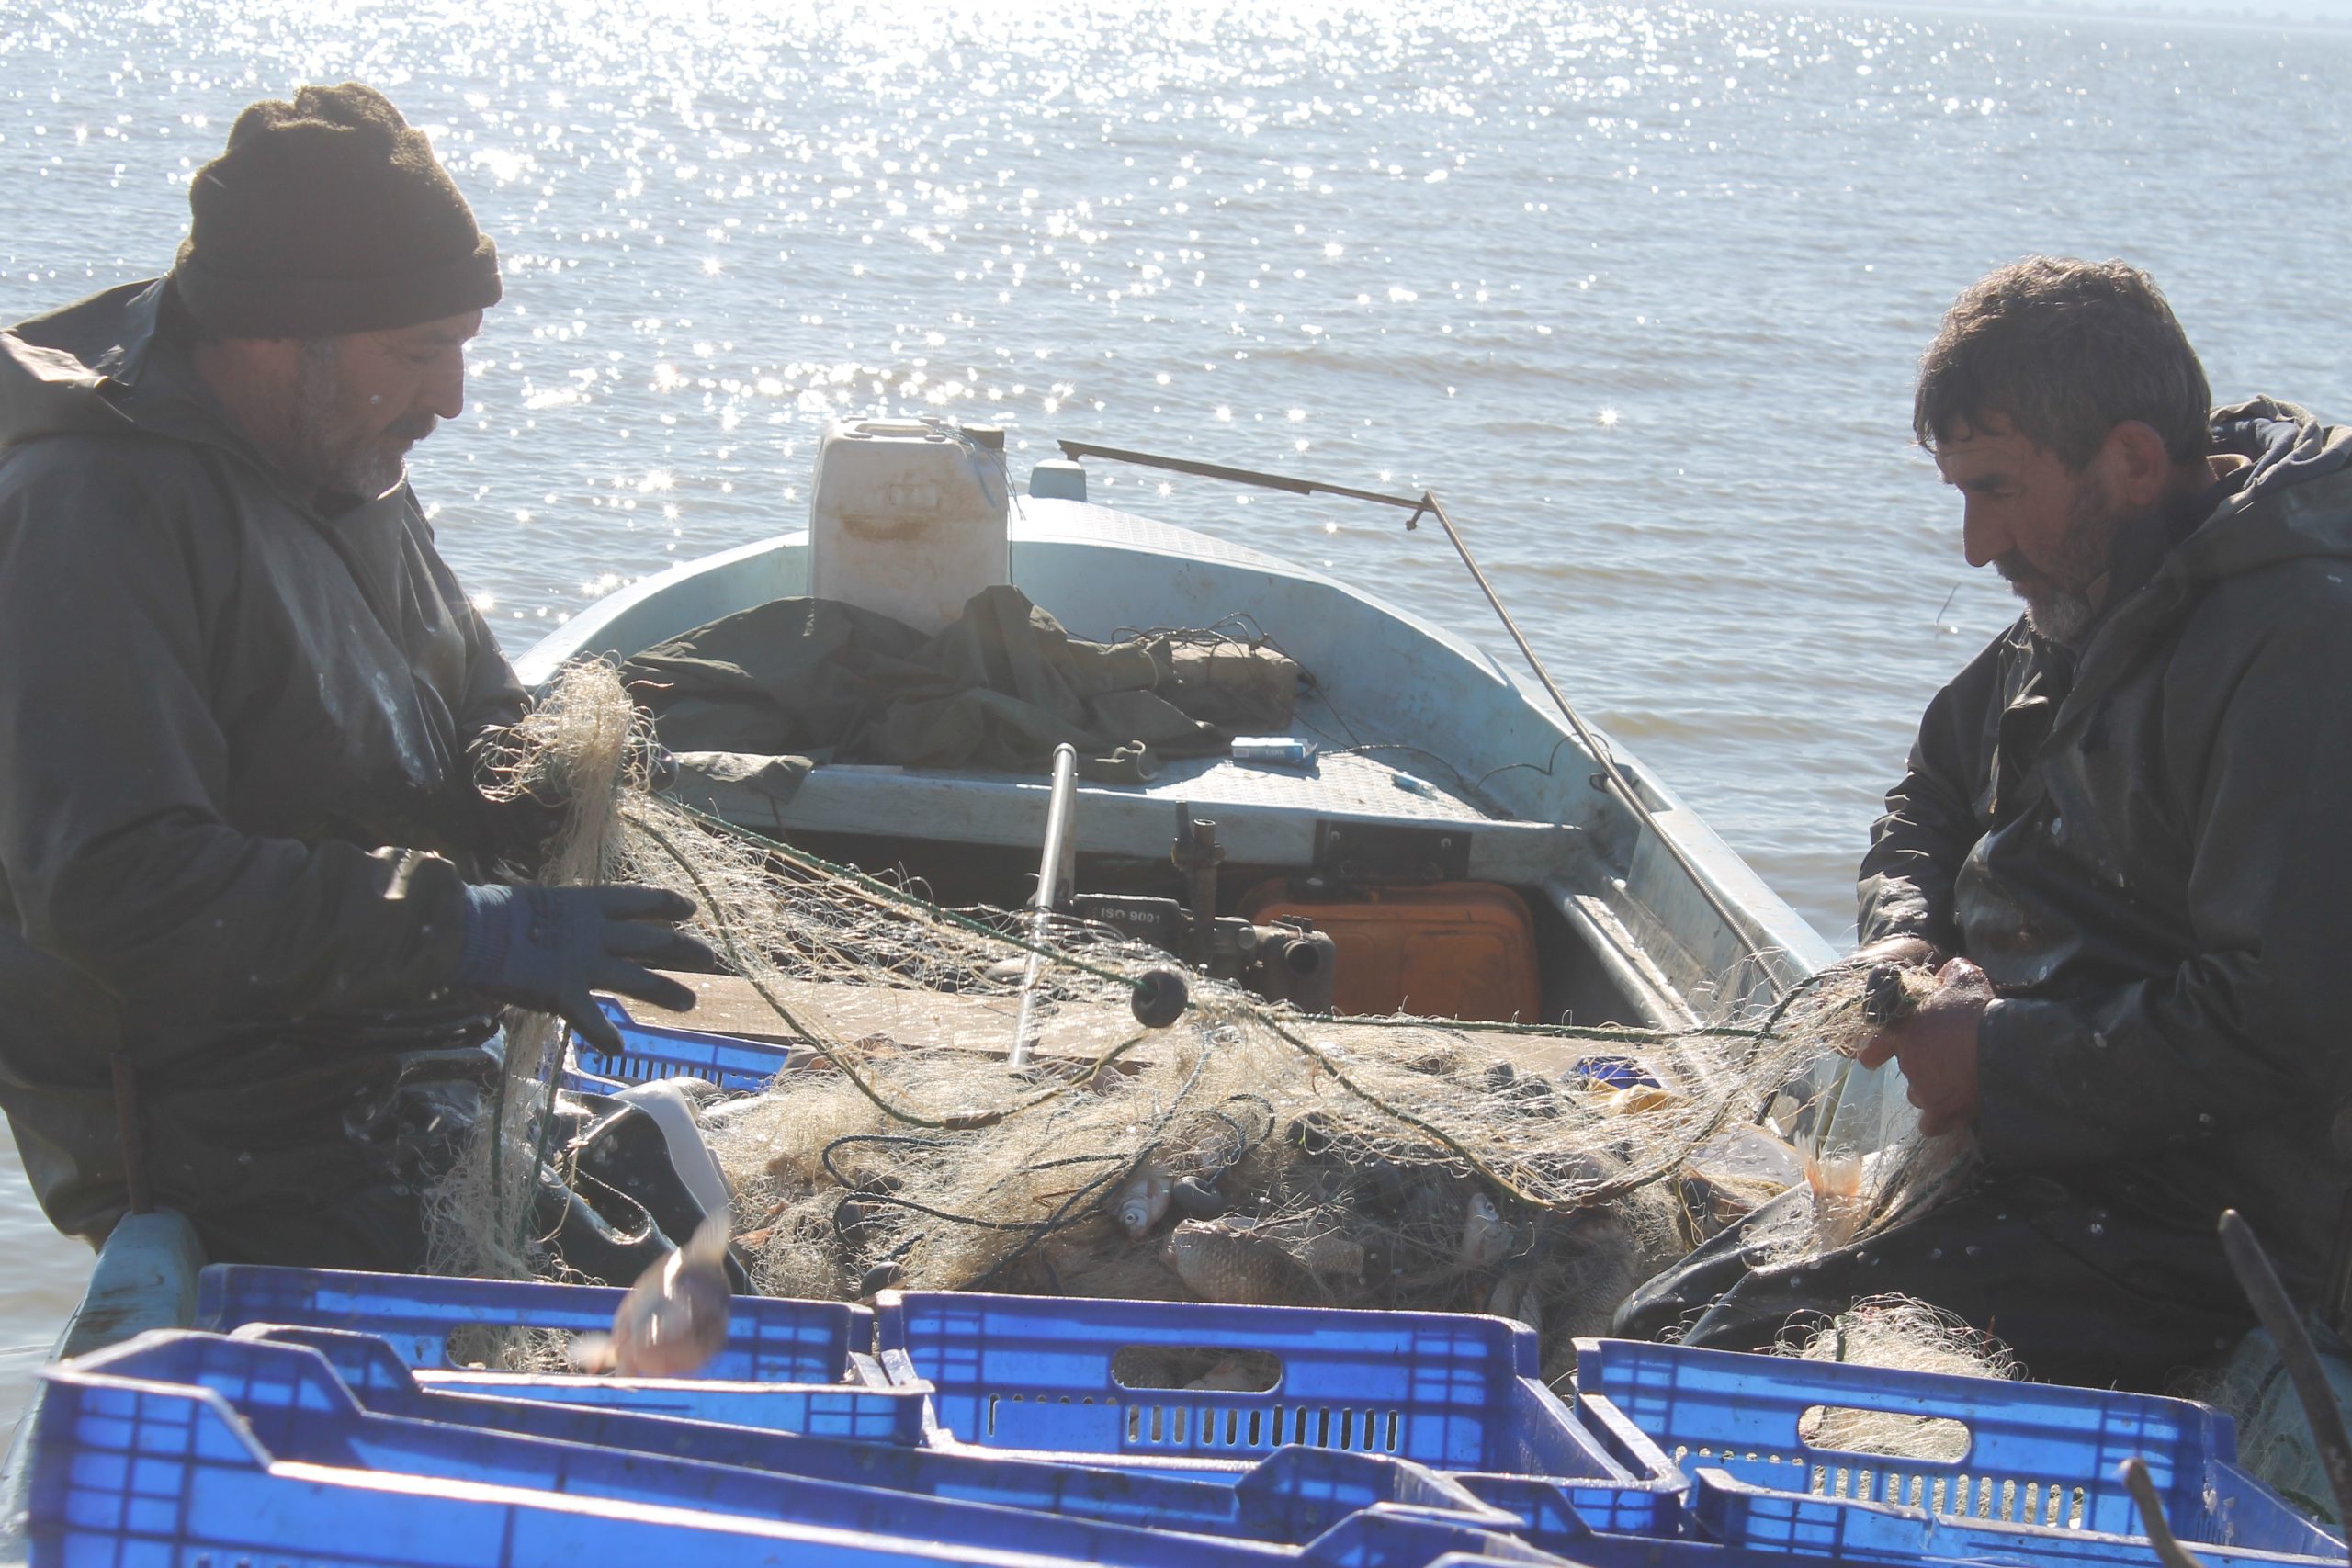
{"points": [[908, 517]]}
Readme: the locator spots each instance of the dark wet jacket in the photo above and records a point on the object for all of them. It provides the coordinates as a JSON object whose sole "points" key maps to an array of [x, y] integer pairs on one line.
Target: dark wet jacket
{"points": [[236, 791], [2149, 851]]}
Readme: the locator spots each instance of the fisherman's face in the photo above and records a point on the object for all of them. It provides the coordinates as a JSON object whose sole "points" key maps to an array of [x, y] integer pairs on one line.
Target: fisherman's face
{"points": [[362, 401], [2049, 530]]}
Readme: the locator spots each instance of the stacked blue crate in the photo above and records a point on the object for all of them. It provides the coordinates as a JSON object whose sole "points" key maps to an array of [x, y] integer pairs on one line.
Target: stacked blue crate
{"points": [[1292, 1497], [793, 1366], [768, 1338], [2039, 1484], [185, 1445], [1453, 1392]]}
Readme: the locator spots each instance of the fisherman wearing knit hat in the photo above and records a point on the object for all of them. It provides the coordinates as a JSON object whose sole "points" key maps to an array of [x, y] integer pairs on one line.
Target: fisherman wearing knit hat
{"points": [[254, 937], [337, 276], [327, 216]]}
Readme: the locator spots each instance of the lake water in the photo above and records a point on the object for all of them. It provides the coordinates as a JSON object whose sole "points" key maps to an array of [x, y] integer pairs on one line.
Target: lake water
{"points": [[1638, 290]]}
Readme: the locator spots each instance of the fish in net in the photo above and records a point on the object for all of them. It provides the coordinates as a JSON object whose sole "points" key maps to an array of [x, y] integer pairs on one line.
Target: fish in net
{"points": [[1243, 1153]]}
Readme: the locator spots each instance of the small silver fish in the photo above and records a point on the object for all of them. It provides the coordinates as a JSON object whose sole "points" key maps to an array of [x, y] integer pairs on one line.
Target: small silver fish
{"points": [[673, 1320], [1485, 1239], [1143, 1202], [1222, 1263], [1261, 1263]]}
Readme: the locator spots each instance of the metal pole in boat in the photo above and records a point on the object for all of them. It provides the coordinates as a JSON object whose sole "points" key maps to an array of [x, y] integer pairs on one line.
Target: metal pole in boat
{"points": [[1057, 866], [1057, 871]]}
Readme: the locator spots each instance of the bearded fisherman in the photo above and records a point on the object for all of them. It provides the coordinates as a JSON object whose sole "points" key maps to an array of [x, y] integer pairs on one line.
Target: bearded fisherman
{"points": [[252, 940], [2121, 851]]}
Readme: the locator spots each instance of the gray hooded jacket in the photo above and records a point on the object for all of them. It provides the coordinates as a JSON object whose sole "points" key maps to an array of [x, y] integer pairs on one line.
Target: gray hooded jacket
{"points": [[236, 785], [2149, 851]]}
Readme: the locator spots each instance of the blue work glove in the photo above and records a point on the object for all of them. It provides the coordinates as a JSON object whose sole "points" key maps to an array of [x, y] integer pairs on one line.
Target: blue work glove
{"points": [[545, 948]]}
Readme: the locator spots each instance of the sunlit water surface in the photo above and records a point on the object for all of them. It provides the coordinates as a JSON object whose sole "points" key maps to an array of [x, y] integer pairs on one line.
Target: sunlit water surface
{"points": [[1638, 289]]}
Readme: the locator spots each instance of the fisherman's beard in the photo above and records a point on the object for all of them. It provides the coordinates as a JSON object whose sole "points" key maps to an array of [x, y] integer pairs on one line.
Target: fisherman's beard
{"points": [[2058, 604], [333, 448]]}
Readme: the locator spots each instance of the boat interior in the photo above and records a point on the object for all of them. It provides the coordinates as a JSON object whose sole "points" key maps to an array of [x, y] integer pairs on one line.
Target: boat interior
{"points": [[1435, 814]]}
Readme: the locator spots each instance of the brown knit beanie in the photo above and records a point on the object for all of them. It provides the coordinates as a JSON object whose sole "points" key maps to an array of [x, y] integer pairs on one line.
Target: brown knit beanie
{"points": [[326, 216]]}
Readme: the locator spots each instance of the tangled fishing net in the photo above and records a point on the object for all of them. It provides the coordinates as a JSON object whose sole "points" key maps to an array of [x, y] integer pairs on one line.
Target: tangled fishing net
{"points": [[587, 746], [1243, 1153], [1899, 1334]]}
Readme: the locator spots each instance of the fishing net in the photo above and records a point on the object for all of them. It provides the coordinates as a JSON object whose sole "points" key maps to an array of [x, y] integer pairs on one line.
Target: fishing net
{"points": [[588, 747], [1899, 1334], [1242, 1152], [2276, 1444]]}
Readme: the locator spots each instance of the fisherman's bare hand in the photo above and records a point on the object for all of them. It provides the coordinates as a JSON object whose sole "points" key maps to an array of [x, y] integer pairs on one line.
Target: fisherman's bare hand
{"points": [[1896, 969], [1935, 1044]]}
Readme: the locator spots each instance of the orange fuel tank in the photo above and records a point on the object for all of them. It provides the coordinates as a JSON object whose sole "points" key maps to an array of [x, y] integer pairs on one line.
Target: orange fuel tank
{"points": [[1441, 950]]}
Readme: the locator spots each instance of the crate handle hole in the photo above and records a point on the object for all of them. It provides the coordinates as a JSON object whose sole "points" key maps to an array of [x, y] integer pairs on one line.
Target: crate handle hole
{"points": [[1887, 1434], [512, 1347], [1196, 1369]]}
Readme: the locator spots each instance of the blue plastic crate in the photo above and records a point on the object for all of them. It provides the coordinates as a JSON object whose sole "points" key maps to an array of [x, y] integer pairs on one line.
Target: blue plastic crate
{"points": [[650, 1050], [2038, 1484], [769, 1339], [864, 1411], [1542, 1518], [1292, 1497], [180, 1445], [1451, 1391]]}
